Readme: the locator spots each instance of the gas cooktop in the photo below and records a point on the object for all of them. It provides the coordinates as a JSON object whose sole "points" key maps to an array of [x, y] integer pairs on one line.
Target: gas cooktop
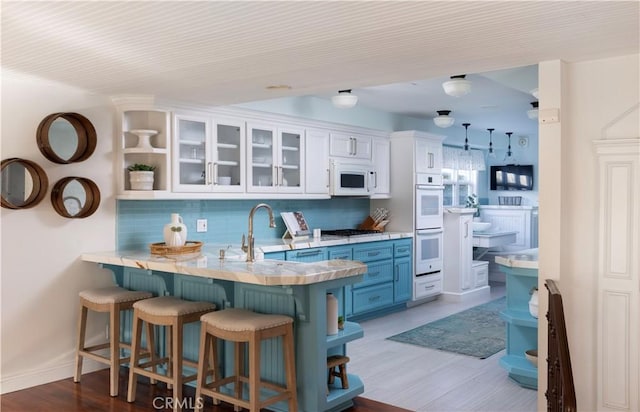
{"points": [[349, 232]]}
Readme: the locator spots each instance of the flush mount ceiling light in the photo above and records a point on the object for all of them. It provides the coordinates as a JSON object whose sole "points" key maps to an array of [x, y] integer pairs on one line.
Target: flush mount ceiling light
{"points": [[457, 86], [533, 113], [344, 99], [443, 119]]}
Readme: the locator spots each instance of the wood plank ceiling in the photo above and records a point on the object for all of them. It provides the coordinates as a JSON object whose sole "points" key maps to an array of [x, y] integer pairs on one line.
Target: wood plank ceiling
{"points": [[227, 52]]}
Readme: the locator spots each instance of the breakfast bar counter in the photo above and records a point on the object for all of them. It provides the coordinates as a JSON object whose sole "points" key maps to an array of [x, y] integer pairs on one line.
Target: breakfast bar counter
{"points": [[290, 288]]}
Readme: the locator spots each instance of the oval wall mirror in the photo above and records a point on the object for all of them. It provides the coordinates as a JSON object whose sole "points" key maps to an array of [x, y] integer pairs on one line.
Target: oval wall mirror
{"points": [[66, 138], [24, 183], [75, 197]]}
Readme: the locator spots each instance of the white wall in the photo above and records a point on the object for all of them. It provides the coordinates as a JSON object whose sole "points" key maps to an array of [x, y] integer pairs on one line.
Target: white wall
{"points": [[589, 95], [41, 273]]}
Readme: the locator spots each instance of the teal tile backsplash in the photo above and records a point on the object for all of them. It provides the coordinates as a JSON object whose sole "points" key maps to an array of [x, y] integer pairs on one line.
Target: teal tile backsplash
{"points": [[140, 222]]}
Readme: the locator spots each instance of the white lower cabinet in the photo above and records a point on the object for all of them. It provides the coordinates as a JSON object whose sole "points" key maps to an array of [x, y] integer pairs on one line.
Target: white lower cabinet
{"points": [[427, 286], [460, 281]]}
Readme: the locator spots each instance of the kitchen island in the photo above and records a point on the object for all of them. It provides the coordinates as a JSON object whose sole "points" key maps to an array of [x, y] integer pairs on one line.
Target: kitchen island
{"points": [[270, 286], [521, 270]]}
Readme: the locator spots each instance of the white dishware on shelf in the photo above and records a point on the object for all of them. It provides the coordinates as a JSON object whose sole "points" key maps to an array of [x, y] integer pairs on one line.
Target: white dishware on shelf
{"points": [[144, 137], [224, 180]]}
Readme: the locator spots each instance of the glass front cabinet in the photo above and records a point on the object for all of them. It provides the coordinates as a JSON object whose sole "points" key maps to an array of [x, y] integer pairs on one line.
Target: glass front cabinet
{"points": [[274, 158], [208, 154]]}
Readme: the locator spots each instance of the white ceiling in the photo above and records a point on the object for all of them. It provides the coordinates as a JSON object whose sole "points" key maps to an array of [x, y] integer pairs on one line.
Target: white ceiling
{"points": [[219, 53]]}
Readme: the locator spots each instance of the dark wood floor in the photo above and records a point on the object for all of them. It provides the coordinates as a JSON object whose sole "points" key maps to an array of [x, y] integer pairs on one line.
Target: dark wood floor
{"points": [[92, 395]]}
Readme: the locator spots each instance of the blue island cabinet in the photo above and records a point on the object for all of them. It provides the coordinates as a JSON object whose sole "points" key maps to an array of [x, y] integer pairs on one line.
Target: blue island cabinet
{"points": [[522, 328], [305, 303]]}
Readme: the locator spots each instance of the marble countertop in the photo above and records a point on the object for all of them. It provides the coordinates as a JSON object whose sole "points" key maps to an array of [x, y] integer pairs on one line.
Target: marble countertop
{"points": [[208, 264], [262, 272], [525, 259]]}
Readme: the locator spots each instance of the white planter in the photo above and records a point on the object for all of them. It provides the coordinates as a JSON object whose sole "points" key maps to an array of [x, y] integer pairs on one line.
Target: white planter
{"points": [[141, 180]]}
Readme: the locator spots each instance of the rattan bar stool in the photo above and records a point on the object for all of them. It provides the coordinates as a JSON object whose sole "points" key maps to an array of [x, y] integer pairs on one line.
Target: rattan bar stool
{"points": [[173, 313], [113, 300], [243, 327]]}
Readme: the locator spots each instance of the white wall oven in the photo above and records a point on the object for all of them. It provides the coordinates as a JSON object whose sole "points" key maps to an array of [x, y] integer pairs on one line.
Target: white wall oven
{"points": [[428, 207], [428, 251]]}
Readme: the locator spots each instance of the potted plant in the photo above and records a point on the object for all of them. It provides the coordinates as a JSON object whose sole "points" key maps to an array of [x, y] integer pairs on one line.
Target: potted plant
{"points": [[340, 322], [141, 176]]}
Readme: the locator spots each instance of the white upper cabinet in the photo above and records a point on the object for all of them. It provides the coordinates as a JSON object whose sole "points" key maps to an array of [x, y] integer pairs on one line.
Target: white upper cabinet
{"points": [[352, 146], [316, 162], [275, 158], [380, 181], [428, 155], [208, 154]]}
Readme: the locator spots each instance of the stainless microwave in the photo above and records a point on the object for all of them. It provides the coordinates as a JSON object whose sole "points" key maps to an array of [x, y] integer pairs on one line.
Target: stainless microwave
{"points": [[350, 179]]}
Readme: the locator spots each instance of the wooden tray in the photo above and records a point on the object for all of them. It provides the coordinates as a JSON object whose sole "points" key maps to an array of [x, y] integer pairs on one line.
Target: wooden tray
{"points": [[161, 248]]}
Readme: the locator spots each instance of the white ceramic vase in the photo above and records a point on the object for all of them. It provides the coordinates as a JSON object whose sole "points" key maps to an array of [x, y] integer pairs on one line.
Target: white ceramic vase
{"points": [[175, 233], [533, 303]]}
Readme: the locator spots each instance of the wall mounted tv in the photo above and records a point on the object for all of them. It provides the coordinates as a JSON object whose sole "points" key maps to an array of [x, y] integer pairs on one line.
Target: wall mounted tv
{"points": [[512, 177]]}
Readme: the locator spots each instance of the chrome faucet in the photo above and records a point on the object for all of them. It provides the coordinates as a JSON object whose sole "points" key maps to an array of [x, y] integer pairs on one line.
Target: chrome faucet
{"points": [[248, 248]]}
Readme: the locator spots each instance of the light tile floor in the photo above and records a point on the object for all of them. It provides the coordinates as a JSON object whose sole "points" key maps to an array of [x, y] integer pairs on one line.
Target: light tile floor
{"points": [[423, 379]]}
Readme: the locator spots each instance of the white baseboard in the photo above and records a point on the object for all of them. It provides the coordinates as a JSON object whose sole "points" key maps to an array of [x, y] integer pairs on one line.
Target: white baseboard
{"points": [[460, 297], [49, 374]]}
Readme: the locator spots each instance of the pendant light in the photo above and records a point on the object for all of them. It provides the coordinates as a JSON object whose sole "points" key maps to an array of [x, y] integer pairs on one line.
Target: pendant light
{"points": [[466, 136], [492, 153], [464, 157], [344, 99], [443, 119], [509, 156], [457, 86], [533, 113]]}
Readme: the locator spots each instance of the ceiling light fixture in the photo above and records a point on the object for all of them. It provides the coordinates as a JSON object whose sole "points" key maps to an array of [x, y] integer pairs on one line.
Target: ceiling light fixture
{"points": [[534, 93], [344, 99], [492, 153], [509, 155], [533, 113], [443, 119], [466, 136], [457, 86]]}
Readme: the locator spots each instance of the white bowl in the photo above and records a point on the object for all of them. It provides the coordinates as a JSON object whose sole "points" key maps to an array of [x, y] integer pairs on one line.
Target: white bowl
{"points": [[532, 356], [481, 226]]}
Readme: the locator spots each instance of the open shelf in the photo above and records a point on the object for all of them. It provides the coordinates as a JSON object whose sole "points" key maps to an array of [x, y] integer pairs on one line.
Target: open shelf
{"points": [[337, 395], [519, 317], [350, 332], [155, 150]]}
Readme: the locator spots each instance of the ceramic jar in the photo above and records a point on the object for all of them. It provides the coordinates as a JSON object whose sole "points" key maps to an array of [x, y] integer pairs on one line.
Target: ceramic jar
{"points": [[175, 233], [332, 314]]}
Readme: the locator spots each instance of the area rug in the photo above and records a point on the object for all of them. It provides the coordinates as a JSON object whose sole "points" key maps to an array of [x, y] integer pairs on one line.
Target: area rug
{"points": [[478, 332]]}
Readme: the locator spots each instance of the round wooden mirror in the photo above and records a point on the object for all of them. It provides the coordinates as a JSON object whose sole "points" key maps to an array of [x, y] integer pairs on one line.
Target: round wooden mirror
{"points": [[75, 197], [24, 183], [66, 138]]}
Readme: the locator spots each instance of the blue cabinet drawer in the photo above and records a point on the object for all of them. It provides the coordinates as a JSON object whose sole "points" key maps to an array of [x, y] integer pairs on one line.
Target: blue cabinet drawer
{"points": [[371, 252], [372, 297], [402, 248], [308, 255], [345, 253], [377, 272], [275, 256]]}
